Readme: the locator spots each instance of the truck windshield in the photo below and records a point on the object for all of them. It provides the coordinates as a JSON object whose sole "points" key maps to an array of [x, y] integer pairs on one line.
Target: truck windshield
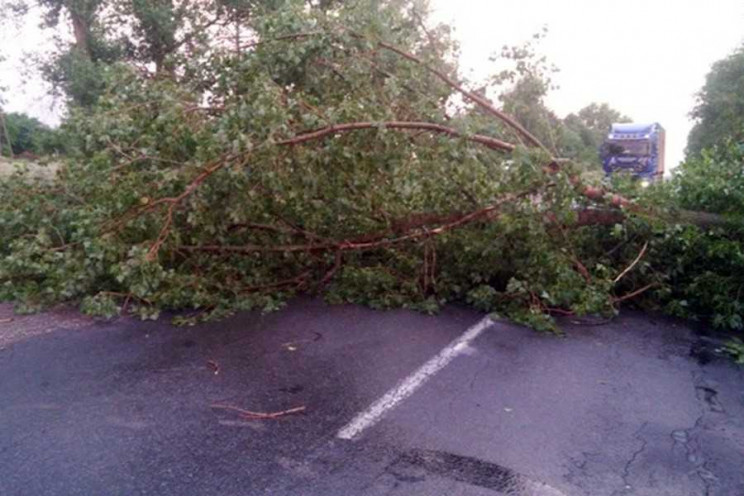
{"points": [[628, 147]]}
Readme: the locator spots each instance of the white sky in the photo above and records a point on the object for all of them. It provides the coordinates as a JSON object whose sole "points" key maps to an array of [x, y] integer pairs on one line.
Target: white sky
{"points": [[646, 58], [25, 92]]}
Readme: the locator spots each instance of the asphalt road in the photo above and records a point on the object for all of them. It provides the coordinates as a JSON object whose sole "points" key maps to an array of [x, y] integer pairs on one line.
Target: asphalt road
{"points": [[633, 407]]}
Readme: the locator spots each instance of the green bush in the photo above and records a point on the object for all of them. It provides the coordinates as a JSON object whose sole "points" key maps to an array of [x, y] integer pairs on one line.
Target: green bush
{"points": [[705, 266], [29, 135]]}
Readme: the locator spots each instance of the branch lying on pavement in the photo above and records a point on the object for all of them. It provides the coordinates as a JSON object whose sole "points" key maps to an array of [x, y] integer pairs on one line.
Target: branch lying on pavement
{"points": [[247, 414]]}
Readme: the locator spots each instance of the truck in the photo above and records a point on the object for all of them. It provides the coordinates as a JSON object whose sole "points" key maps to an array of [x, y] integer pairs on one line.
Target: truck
{"points": [[635, 148]]}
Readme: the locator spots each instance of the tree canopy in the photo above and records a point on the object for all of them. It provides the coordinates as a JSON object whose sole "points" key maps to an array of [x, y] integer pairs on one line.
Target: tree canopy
{"points": [[25, 134], [333, 148], [719, 111]]}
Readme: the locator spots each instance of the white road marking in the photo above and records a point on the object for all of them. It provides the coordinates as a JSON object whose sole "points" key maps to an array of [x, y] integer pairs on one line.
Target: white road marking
{"points": [[409, 385]]}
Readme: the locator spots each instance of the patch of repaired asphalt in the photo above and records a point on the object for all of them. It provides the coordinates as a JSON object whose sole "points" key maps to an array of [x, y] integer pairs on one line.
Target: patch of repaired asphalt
{"points": [[416, 464]]}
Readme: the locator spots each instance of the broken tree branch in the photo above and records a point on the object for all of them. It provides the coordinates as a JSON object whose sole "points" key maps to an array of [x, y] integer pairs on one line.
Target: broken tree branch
{"points": [[338, 260], [474, 97], [633, 264], [581, 269], [297, 281], [620, 299], [479, 100], [173, 202], [247, 414], [358, 244], [492, 143]]}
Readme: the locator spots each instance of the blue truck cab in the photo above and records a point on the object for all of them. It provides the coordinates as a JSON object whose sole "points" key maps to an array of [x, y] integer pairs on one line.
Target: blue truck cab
{"points": [[635, 148]]}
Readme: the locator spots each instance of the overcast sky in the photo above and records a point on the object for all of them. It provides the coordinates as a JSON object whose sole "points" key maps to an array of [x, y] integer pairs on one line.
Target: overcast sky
{"points": [[25, 92], [646, 58]]}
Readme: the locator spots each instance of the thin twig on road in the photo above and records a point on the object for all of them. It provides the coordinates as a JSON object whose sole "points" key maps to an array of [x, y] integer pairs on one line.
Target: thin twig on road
{"points": [[259, 415]]}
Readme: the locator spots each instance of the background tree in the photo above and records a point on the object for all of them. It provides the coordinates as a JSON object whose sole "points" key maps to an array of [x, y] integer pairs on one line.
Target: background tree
{"points": [[28, 135], [4, 134], [108, 31], [523, 88], [719, 111], [578, 136], [525, 101], [76, 68], [6, 143], [589, 127]]}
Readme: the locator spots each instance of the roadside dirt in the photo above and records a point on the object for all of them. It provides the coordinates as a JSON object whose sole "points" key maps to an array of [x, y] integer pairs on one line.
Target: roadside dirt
{"points": [[15, 328]]}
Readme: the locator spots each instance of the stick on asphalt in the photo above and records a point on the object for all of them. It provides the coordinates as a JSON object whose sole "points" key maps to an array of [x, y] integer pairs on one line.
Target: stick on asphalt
{"points": [[409, 385]]}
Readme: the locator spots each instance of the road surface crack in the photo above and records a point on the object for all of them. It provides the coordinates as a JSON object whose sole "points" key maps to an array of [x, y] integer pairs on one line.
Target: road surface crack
{"points": [[708, 399], [633, 457]]}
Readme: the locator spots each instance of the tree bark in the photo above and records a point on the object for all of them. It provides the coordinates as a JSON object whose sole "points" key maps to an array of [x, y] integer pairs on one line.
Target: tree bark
{"points": [[6, 135], [81, 28], [486, 141]]}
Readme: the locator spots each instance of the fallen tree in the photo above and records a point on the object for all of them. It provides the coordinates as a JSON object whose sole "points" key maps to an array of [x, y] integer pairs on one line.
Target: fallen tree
{"points": [[339, 156]]}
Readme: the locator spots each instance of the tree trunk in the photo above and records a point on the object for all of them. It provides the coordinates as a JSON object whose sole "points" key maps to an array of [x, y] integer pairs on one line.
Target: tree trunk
{"points": [[163, 66], [80, 29], [6, 135]]}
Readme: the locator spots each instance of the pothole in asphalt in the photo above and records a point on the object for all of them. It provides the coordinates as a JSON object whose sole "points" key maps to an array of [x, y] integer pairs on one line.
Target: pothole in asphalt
{"points": [[710, 397]]}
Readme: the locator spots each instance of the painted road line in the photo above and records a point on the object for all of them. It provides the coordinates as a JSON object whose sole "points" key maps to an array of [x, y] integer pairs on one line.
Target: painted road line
{"points": [[409, 385]]}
